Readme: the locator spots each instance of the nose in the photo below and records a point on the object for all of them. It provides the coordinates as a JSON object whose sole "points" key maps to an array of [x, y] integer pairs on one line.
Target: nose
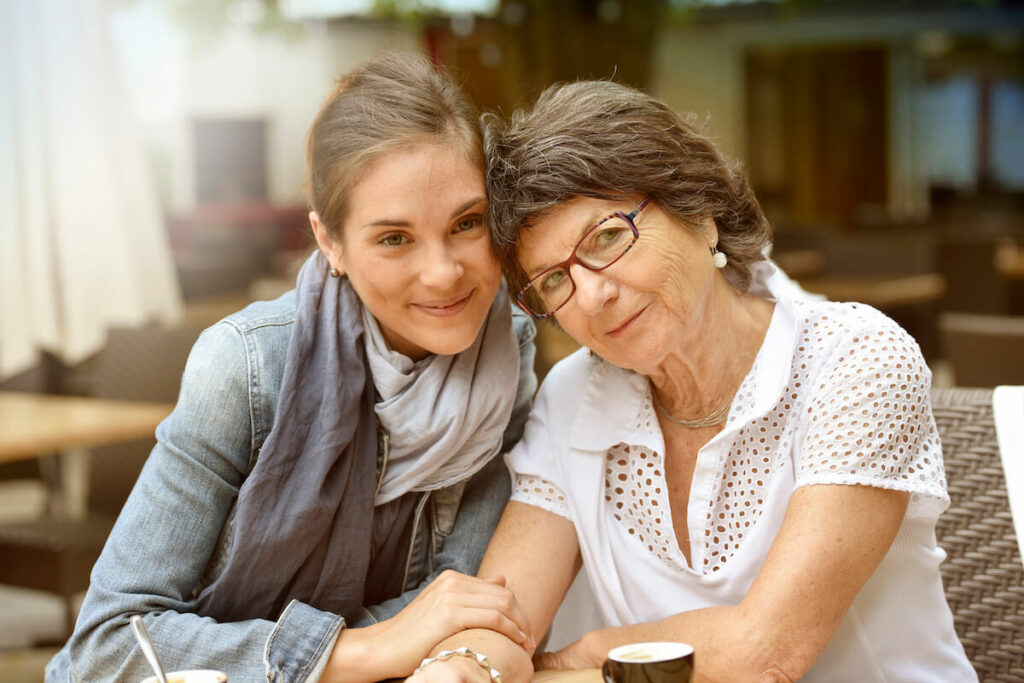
{"points": [[442, 267], [593, 289]]}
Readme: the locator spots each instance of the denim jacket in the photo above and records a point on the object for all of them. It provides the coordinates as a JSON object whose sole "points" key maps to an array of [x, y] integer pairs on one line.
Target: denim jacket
{"points": [[176, 525]]}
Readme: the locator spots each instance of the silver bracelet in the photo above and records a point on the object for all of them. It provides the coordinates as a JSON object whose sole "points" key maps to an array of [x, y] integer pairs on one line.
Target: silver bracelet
{"points": [[463, 652]]}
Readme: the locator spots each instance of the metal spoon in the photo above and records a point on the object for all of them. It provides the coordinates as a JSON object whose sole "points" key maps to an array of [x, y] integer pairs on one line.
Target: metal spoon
{"points": [[142, 635]]}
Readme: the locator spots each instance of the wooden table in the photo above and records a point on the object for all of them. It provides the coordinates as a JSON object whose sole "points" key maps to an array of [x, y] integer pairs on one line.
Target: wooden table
{"points": [[35, 425], [880, 292], [578, 676]]}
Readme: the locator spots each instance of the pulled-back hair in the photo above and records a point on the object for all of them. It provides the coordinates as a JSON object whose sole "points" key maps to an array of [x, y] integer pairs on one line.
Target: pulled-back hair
{"points": [[392, 102], [604, 140]]}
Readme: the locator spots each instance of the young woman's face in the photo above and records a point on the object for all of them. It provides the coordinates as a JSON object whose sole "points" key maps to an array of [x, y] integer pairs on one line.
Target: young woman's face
{"points": [[416, 249]]}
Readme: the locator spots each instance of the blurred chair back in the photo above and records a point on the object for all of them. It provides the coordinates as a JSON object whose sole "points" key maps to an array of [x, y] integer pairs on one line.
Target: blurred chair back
{"points": [[973, 284], [892, 252], [982, 574], [136, 365], [983, 350]]}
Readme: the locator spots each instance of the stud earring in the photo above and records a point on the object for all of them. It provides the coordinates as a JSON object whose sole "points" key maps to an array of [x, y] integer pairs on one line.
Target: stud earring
{"points": [[334, 272], [718, 257]]}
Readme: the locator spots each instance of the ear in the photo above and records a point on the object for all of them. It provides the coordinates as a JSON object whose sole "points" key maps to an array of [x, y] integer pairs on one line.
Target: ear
{"points": [[328, 246]]}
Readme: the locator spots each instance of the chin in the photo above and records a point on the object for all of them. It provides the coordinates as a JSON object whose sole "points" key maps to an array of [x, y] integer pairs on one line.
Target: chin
{"points": [[449, 344], [640, 359]]}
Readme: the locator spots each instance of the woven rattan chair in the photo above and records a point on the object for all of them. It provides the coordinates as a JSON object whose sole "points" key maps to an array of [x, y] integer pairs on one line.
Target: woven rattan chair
{"points": [[983, 574]]}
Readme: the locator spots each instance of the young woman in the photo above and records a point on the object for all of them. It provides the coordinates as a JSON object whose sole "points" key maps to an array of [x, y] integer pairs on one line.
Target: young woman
{"points": [[321, 496]]}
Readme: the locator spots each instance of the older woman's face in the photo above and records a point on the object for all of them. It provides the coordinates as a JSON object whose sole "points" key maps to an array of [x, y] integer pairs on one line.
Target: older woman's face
{"points": [[651, 302]]}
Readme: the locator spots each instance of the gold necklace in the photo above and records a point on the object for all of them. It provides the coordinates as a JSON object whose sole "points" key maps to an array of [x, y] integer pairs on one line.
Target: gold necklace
{"points": [[715, 417]]}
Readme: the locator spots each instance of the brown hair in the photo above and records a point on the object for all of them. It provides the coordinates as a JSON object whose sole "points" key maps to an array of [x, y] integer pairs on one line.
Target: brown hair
{"points": [[605, 140], [393, 101]]}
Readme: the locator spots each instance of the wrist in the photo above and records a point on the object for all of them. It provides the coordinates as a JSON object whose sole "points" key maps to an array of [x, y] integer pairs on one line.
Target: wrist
{"points": [[355, 658], [465, 657], [459, 668]]}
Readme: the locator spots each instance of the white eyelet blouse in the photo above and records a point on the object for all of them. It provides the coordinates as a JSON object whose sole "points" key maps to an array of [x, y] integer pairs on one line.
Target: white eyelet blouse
{"points": [[838, 394]]}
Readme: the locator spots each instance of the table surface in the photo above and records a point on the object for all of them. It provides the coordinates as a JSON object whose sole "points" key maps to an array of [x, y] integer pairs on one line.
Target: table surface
{"points": [[578, 676], [32, 425], [882, 291]]}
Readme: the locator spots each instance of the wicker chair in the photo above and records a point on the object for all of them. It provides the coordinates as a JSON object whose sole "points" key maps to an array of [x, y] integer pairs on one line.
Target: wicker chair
{"points": [[983, 574]]}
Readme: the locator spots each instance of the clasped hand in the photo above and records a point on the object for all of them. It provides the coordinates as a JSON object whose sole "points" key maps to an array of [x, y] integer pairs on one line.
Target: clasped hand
{"points": [[452, 603]]}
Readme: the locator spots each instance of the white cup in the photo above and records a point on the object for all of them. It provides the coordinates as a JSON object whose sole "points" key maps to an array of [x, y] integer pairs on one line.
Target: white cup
{"points": [[194, 676]]}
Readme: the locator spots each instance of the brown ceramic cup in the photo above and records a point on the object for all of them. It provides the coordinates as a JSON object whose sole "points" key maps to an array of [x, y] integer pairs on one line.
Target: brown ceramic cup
{"points": [[664, 662]]}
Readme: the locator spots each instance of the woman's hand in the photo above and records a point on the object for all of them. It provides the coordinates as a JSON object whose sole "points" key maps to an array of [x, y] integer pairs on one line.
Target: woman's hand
{"points": [[588, 652], [452, 603], [453, 670], [456, 602]]}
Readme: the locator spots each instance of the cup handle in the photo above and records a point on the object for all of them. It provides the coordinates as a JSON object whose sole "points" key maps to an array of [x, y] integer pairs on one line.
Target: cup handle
{"points": [[606, 673]]}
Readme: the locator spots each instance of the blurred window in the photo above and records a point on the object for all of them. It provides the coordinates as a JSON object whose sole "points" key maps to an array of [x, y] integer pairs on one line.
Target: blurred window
{"points": [[1006, 144]]}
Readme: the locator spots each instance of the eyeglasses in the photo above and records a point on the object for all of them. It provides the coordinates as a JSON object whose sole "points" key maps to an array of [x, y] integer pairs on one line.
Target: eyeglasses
{"points": [[600, 247]]}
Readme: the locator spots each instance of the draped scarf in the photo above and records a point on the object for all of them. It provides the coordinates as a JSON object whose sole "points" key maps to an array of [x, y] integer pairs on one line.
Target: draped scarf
{"points": [[309, 523]]}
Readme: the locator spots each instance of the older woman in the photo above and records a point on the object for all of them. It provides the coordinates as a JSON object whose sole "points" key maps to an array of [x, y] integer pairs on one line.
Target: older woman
{"points": [[751, 472]]}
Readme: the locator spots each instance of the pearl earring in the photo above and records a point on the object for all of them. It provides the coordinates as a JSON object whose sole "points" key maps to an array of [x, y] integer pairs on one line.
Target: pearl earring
{"points": [[718, 257], [334, 272]]}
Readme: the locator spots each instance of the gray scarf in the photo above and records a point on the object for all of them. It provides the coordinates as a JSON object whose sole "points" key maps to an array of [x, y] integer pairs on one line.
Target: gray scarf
{"points": [[445, 414], [307, 525]]}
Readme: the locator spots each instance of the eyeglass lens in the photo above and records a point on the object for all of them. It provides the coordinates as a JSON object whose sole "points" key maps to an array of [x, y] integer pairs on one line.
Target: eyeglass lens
{"points": [[599, 248]]}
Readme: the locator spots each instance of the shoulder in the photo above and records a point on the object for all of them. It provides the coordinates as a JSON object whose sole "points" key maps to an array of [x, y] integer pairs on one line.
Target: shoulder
{"points": [[264, 315], [244, 354], [570, 376], [557, 402], [261, 333], [854, 335]]}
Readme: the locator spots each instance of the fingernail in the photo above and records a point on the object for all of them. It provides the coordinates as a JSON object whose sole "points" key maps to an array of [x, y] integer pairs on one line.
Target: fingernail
{"points": [[522, 637]]}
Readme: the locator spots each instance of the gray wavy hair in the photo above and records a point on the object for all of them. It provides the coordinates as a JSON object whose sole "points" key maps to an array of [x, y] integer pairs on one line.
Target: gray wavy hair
{"points": [[605, 140]]}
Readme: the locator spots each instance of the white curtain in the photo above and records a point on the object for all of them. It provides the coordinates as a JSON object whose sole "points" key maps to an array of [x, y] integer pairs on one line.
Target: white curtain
{"points": [[82, 242]]}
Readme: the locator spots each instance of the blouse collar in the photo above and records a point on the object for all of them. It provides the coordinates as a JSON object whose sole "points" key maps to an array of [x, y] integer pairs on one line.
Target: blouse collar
{"points": [[616, 404]]}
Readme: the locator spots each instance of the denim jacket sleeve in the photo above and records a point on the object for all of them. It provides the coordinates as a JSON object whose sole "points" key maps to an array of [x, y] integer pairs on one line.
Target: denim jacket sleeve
{"points": [[485, 494], [154, 559]]}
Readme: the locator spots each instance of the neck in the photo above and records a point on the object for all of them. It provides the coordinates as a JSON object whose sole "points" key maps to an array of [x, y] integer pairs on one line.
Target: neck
{"points": [[706, 369]]}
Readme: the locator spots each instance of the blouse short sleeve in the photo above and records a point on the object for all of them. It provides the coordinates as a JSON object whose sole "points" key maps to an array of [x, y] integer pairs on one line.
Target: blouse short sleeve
{"points": [[536, 462], [869, 418], [540, 493]]}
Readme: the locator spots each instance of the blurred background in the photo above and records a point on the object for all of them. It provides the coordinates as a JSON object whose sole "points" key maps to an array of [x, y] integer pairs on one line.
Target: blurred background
{"points": [[151, 181]]}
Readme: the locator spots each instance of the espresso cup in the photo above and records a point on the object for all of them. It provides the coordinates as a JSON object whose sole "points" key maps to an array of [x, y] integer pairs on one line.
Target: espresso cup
{"points": [[193, 676], [649, 663]]}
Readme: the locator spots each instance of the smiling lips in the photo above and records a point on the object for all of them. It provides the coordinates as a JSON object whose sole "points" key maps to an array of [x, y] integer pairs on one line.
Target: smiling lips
{"points": [[446, 307], [624, 327]]}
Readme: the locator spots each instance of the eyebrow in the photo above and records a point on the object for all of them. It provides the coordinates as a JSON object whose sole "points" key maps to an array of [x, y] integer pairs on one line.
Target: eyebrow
{"points": [[398, 223], [589, 223]]}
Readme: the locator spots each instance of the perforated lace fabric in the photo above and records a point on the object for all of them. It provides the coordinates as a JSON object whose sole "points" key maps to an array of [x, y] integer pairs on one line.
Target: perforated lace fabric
{"points": [[854, 410]]}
